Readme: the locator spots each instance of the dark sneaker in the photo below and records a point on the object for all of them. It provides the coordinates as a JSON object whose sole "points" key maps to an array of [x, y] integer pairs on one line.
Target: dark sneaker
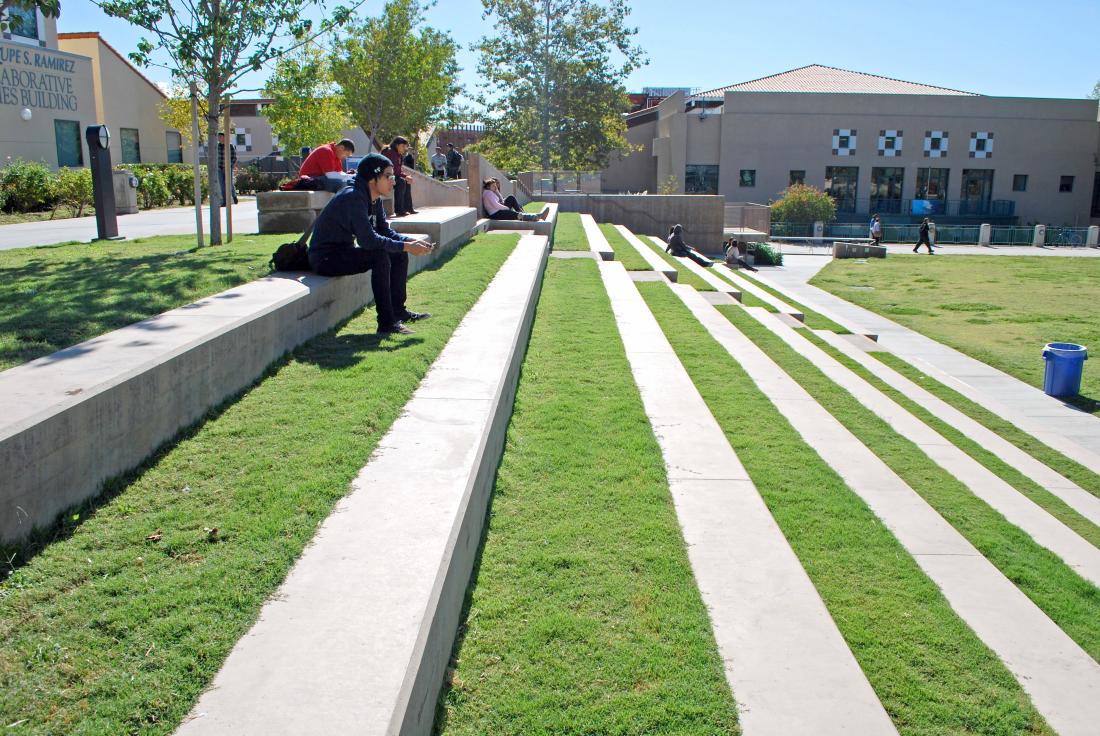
{"points": [[544, 213], [413, 212], [395, 329], [416, 316]]}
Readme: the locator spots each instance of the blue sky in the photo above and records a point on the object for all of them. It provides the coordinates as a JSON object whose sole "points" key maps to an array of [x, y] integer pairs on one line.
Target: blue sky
{"points": [[1008, 48]]}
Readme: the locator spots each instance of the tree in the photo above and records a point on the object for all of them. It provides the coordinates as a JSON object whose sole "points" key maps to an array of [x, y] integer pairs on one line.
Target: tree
{"points": [[561, 65], [802, 203], [213, 43], [1095, 92], [49, 8], [396, 76], [176, 112], [308, 109]]}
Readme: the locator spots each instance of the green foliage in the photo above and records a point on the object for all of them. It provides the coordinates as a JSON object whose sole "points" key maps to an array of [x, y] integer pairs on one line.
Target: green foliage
{"points": [[49, 8], [153, 190], [177, 178], [308, 109], [561, 65], [73, 187], [251, 180], [28, 186], [765, 255], [396, 75], [802, 203]]}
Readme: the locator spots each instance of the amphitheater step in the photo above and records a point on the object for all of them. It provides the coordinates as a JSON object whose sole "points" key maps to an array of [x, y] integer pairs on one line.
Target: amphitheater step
{"points": [[748, 286], [655, 262], [790, 670], [596, 240], [359, 635]]}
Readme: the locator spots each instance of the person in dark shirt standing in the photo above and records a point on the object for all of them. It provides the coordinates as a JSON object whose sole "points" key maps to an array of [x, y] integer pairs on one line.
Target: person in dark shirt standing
{"points": [[232, 168], [454, 162], [352, 235], [402, 193]]}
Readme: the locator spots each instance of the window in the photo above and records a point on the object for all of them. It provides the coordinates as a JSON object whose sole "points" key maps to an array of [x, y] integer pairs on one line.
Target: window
{"points": [[131, 145], [175, 147], [976, 192], [1096, 195], [798, 176], [701, 179], [66, 135], [747, 178], [932, 183], [23, 22], [841, 184], [886, 183], [1019, 183], [1066, 184]]}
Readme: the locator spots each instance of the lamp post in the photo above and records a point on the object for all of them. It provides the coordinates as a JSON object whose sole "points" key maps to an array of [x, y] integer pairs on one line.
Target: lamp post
{"points": [[103, 184]]}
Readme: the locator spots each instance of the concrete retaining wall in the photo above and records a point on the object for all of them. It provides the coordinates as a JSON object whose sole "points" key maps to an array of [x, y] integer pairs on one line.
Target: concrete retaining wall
{"points": [[98, 409], [858, 250], [703, 216]]}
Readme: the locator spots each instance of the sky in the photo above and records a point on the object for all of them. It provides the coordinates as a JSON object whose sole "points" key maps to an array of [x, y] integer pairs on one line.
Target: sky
{"points": [[1007, 48]]}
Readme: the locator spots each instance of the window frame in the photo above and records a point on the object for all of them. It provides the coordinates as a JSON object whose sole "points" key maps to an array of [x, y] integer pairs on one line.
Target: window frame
{"points": [[122, 145], [1065, 184], [751, 179], [1019, 182]]}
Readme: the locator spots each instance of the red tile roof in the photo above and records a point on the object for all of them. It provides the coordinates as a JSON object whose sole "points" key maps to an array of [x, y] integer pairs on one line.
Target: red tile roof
{"points": [[816, 78]]}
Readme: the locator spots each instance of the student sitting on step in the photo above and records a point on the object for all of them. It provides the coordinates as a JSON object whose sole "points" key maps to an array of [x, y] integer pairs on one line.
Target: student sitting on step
{"points": [[498, 208], [352, 235], [735, 257], [679, 248]]}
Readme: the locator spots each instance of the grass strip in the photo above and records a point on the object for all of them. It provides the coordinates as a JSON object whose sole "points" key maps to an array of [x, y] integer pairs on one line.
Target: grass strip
{"points": [[1042, 452], [1022, 483], [1000, 310], [684, 275], [813, 319], [583, 617], [1071, 601], [625, 253], [59, 295], [569, 233], [534, 206], [117, 624], [930, 671]]}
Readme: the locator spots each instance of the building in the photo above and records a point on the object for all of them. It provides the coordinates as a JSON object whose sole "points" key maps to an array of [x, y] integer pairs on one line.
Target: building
{"points": [[898, 148], [653, 96], [53, 86]]}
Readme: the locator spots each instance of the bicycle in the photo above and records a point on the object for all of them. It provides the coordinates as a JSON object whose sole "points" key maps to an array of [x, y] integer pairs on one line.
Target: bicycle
{"points": [[1067, 238]]}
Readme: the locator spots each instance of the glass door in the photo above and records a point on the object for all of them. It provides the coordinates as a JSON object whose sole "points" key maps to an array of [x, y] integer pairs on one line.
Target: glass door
{"points": [[977, 191], [841, 183], [886, 187]]}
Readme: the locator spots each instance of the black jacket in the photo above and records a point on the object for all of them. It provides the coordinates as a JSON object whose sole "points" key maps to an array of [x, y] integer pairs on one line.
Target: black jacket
{"points": [[351, 217]]}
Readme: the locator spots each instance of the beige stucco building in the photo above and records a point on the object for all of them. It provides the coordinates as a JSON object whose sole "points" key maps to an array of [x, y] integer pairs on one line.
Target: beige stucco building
{"points": [[877, 145], [53, 86]]}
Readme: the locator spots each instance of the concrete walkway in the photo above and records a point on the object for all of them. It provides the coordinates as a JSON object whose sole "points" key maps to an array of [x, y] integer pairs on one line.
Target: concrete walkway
{"points": [[748, 286], [1062, 680], [1058, 424], [790, 670], [167, 221], [826, 251]]}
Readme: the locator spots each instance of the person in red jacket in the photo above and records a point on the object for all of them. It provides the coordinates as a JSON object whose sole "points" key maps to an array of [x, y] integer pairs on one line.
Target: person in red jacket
{"points": [[329, 157]]}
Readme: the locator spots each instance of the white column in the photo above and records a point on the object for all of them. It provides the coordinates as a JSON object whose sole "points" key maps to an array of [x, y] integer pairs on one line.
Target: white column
{"points": [[1093, 238], [1040, 236], [986, 234]]}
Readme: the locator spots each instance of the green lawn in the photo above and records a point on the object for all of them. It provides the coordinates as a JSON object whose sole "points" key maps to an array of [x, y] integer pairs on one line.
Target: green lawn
{"points": [[57, 296], [534, 206], [931, 672], [569, 233], [1068, 599], [114, 623], [625, 253], [1001, 310], [584, 616]]}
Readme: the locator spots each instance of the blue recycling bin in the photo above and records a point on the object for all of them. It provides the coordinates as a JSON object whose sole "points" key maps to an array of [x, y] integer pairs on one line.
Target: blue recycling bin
{"points": [[1064, 363]]}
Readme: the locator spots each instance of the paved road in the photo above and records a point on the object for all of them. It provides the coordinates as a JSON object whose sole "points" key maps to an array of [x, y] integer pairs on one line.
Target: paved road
{"points": [[957, 250], [169, 221]]}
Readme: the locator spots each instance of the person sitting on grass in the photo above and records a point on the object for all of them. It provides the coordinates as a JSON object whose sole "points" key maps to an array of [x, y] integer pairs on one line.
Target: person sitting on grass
{"points": [[680, 249], [734, 256], [352, 235], [498, 208]]}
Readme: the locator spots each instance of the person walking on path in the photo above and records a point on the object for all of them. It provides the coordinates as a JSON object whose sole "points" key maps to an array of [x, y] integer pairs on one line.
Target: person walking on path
{"points": [[402, 193], [454, 162], [352, 235], [498, 208], [925, 237], [439, 164], [680, 249], [876, 230]]}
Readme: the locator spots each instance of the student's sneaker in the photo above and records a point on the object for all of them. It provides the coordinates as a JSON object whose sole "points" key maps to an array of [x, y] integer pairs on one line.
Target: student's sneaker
{"points": [[413, 212], [415, 316], [544, 213], [395, 329]]}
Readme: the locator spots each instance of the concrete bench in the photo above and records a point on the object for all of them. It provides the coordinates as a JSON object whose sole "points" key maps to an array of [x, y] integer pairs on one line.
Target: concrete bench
{"points": [[289, 212], [538, 227], [847, 249], [82, 415], [442, 225]]}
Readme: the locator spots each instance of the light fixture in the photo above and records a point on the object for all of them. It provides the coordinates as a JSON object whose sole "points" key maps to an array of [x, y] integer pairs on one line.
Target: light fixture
{"points": [[25, 113]]}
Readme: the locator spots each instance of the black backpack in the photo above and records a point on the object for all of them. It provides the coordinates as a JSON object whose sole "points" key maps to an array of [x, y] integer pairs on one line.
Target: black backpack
{"points": [[292, 256]]}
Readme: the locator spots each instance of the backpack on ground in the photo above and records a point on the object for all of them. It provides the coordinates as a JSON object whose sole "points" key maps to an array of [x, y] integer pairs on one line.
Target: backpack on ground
{"points": [[292, 256]]}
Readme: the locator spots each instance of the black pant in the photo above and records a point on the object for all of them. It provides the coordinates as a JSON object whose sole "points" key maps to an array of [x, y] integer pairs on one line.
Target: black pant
{"points": [[402, 197], [388, 274], [694, 255]]}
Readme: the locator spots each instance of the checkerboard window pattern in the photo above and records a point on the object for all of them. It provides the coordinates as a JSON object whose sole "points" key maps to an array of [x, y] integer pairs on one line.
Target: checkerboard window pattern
{"points": [[844, 142], [981, 144], [890, 143], [242, 139], [935, 143]]}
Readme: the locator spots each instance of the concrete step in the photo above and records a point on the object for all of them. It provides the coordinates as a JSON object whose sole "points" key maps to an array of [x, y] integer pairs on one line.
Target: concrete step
{"points": [[1074, 496], [358, 637], [780, 288], [748, 286], [655, 262], [720, 285], [597, 242], [1062, 680], [538, 227], [790, 670]]}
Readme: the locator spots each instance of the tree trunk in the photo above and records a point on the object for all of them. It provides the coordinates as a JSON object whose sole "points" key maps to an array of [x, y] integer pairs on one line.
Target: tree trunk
{"points": [[213, 107], [544, 112]]}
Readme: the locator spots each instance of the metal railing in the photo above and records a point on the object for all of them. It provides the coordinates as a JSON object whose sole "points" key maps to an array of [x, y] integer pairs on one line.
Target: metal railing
{"points": [[921, 207], [564, 182], [1067, 236]]}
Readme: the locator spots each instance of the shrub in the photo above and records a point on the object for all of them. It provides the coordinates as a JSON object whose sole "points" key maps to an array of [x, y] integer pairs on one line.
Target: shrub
{"points": [[153, 189], [74, 190], [765, 255], [802, 203], [251, 180], [28, 186]]}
